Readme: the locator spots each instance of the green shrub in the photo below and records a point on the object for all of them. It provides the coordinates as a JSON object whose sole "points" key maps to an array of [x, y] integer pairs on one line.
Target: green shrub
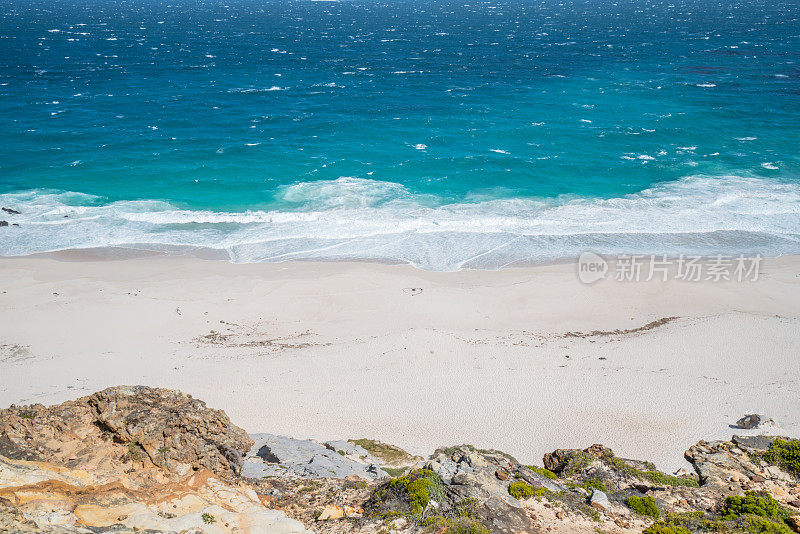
{"points": [[135, 451], [465, 525], [458, 525], [576, 463], [752, 524], [785, 454], [406, 495], [755, 503], [208, 518], [696, 522], [664, 528], [643, 505], [521, 490]]}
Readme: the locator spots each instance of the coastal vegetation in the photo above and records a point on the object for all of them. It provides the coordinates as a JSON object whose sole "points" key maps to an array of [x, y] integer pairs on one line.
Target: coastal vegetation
{"points": [[786, 454]]}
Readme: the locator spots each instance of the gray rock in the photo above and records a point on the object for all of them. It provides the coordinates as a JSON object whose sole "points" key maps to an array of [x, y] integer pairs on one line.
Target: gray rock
{"points": [[274, 456], [599, 500], [757, 443], [444, 467]]}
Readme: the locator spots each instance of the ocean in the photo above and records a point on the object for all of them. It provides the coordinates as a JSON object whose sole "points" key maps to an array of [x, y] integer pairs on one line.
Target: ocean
{"points": [[443, 134]]}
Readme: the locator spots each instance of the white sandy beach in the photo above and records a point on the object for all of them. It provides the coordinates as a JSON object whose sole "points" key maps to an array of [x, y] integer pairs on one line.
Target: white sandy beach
{"points": [[418, 359]]}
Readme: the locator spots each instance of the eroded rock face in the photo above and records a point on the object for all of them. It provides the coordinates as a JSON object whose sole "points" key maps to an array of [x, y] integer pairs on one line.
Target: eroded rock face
{"points": [[43, 497], [128, 459], [118, 425]]}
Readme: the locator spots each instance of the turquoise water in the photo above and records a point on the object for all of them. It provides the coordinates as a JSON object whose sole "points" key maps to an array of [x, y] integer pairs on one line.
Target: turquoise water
{"points": [[447, 135]]}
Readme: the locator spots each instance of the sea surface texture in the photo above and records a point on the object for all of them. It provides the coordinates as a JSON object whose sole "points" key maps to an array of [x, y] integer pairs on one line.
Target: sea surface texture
{"points": [[447, 135]]}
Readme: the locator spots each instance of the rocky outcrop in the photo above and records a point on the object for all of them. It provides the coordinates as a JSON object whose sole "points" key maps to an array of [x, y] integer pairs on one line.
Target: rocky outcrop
{"points": [[739, 465], [128, 458], [145, 459], [120, 425]]}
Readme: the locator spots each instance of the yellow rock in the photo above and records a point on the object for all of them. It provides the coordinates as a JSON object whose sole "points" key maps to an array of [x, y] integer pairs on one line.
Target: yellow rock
{"points": [[331, 512]]}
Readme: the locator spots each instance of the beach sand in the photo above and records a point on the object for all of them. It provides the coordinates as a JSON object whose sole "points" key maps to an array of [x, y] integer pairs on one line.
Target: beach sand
{"points": [[418, 359]]}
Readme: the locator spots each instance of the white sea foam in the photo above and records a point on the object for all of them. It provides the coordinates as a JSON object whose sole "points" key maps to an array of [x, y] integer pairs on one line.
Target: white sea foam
{"points": [[353, 218]]}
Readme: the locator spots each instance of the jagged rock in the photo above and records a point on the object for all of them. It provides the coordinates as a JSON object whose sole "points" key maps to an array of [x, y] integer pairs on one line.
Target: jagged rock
{"points": [[717, 461], [10, 211], [273, 455], [138, 424], [172, 427], [470, 474], [571, 461], [757, 443], [752, 421], [3, 223]]}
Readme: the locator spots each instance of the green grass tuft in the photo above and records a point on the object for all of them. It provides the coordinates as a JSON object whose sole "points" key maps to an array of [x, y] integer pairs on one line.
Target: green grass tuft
{"points": [[643, 505], [542, 471]]}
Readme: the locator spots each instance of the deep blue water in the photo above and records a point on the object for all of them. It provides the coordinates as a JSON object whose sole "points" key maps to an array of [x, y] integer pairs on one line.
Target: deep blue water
{"points": [[445, 134]]}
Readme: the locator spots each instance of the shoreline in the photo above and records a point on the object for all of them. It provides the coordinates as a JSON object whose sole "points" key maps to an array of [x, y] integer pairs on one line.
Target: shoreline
{"points": [[338, 350], [118, 253]]}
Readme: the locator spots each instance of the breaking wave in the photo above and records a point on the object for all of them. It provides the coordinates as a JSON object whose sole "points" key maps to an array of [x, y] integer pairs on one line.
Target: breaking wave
{"points": [[358, 219]]}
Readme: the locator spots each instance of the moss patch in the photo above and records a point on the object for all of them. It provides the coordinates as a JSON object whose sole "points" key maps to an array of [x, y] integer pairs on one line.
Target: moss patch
{"points": [[388, 454]]}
